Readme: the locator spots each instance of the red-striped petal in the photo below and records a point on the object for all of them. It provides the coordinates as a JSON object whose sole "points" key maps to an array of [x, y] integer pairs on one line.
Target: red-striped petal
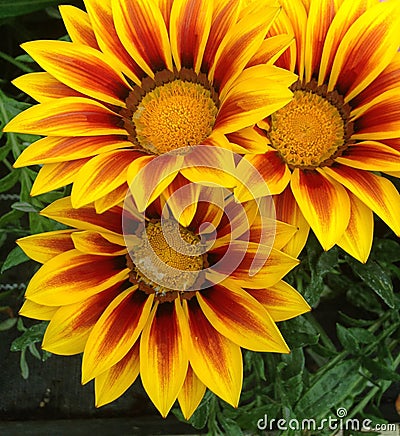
{"points": [[372, 156], [82, 68], [251, 265], [376, 192], [113, 198], [248, 141], [78, 25], [148, 179], [70, 116], [44, 87], [115, 332], [85, 218], [366, 50], [256, 93], [344, 18], [182, 198], [190, 395], [45, 246], [324, 204], [54, 149], [141, 29], [111, 384], [387, 80], [271, 49], [190, 24], [90, 242], [163, 355], [270, 167], [239, 317], [101, 18], [224, 17], [72, 276], [379, 119], [215, 360], [56, 175], [101, 175], [240, 43], [319, 19], [70, 327]]}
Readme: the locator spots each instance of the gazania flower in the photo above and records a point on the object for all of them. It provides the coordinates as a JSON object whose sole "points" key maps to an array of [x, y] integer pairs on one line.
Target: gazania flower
{"points": [[343, 125], [143, 78], [173, 316]]}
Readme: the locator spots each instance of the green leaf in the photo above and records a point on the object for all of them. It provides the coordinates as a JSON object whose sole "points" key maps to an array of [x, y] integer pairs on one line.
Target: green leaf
{"points": [[355, 322], [294, 363], [294, 388], [13, 8], [362, 336], [4, 150], [8, 181], [10, 217], [23, 364], [298, 332], [386, 250], [200, 417], [359, 296], [7, 324], [348, 341], [15, 257], [229, 425], [380, 371], [24, 206], [328, 390], [374, 276], [320, 266], [30, 336]]}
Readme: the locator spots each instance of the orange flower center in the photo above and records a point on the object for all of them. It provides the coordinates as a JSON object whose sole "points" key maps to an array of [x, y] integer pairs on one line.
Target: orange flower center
{"points": [[174, 115], [168, 258], [309, 131]]}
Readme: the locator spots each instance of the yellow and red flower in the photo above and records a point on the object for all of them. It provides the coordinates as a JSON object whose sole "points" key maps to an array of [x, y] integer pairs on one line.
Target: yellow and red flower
{"points": [[142, 78], [343, 125], [183, 333]]}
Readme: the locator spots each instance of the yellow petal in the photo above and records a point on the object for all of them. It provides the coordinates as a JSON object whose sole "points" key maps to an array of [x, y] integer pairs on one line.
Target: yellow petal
{"points": [[357, 239], [111, 384], [192, 392], [281, 301], [34, 310]]}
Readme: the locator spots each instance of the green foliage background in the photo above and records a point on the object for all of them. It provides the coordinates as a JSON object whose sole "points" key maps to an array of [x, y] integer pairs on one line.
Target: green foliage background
{"points": [[344, 354]]}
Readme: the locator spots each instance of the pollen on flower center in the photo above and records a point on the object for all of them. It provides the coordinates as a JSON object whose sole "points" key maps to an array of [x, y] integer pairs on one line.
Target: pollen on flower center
{"points": [[174, 115], [309, 131], [166, 266]]}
